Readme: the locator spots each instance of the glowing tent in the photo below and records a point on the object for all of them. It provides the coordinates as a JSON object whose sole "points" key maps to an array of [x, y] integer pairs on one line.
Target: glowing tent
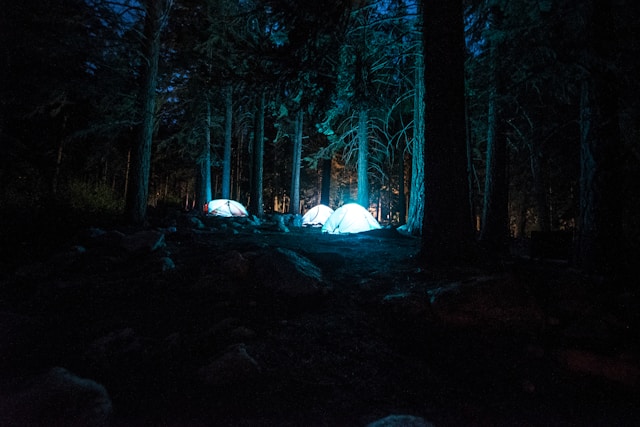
{"points": [[317, 215], [350, 218], [226, 208]]}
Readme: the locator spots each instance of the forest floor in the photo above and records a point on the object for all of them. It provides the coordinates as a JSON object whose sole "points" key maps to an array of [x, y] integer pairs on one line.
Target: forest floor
{"points": [[214, 338]]}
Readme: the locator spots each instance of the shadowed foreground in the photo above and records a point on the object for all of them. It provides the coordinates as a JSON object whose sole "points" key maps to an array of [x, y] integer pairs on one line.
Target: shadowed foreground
{"points": [[231, 323]]}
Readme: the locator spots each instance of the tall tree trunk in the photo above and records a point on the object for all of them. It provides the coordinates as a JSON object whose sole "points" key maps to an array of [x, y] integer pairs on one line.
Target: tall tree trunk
{"points": [[540, 188], [600, 225], [256, 201], [294, 207], [56, 174], [416, 194], [238, 168], [138, 192], [447, 232], [402, 196], [127, 172], [228, 127], [203, 183], [363, 158], [325, 195], [494, 234], [470, 166]]}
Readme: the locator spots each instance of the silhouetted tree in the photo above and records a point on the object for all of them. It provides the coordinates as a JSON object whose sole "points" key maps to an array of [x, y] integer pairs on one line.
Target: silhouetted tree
{"points": [[294, 205], [494, 231], [600, 225], [228, 133], [446, 232], [415, 215], [256, 198], [156, 15]]}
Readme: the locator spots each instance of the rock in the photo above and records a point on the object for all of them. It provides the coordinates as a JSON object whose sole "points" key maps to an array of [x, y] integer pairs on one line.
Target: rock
{"points": [[21, 342], [243, 333], [297, 221], [234, 264], [287, 274], [196, 223], [400, 421], [167, 264], [254, 221], [622, 369], [407, 307], [57, 398], [35, 271], [78, 249], [492, 301], [96, 237], [408, 318], [93, 232], [221, 332], [143, 242], [280, 223], [234, 367], [123, 348], [190, 221], [58, 264]]}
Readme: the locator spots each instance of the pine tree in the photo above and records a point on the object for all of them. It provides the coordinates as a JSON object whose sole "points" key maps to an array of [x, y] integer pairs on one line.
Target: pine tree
{"points": [[446, 233], [138, 193], [600, 222]]}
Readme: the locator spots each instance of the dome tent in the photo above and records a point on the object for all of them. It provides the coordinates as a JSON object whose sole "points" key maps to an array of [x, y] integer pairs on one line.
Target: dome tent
{"points": [[350, 218], [316, 216], [226, 208]]}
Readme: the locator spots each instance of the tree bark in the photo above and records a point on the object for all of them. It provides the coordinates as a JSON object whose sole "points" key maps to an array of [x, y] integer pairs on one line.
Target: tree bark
{"points": [[540, 188], [325, 195], [416, 194], [494, 234], [495, 225], [599, 248], [402, 196], [363, 158], [138, 192], [447, 233], [256, 203], [228, 127], [203, 183], [294, 205]]}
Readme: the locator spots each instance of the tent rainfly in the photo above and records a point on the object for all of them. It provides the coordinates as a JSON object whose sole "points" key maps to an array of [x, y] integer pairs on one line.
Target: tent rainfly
{"points": [[316, 216], [226, 208], [350, 218]]}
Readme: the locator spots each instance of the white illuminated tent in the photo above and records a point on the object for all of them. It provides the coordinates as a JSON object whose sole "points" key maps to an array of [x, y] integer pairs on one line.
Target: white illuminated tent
{"points": [[350, 218], [226, 208], [317, 215]]}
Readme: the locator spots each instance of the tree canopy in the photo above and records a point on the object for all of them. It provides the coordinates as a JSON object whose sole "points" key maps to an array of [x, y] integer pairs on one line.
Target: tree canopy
{"points": [[537, 78]]}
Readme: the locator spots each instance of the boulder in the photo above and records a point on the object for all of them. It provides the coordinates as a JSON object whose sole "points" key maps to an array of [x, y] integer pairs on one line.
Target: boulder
{"points": [[400, 421], [287, 274], [57, 398], [233, 367], [233, 264], [622, 369], [143, 242], [21, 342], [97, 237], [167, 264], [407, 310], [122, 349], [492, 301]]}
